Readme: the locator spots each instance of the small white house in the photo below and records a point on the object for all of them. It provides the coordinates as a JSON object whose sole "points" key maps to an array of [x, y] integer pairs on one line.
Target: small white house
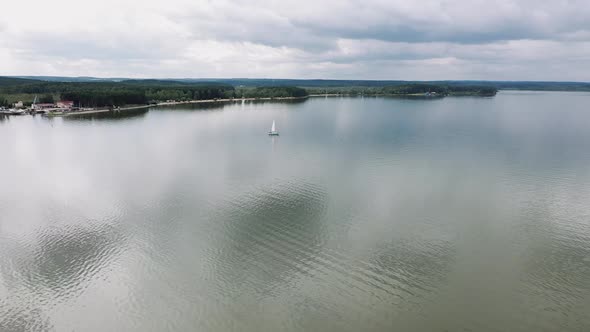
{"points": [[18, 104]]}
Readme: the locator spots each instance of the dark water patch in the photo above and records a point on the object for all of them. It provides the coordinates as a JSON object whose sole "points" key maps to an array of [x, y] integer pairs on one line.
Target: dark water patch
{"points": [[63, 260], [258, 225]]}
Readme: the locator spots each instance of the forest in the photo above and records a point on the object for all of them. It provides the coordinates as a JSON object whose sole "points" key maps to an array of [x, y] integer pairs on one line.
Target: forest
{"points": [[87, 92], [131, 92], [271, 92], [98, 94], [414, 89], [321, 83], [4, 102]]}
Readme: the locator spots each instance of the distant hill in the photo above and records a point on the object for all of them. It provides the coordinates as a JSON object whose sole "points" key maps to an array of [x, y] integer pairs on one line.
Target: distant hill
{"points": [[524, 85], [319, 83], [170, 83], [311, 83], [70, 79], [11, 81]]}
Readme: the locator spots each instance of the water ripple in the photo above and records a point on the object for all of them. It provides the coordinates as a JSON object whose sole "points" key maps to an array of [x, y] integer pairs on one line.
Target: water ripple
{"points": [[54, 267]]}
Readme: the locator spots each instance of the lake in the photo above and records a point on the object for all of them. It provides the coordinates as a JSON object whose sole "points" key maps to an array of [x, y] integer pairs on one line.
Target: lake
{"points": [[365, 214]]}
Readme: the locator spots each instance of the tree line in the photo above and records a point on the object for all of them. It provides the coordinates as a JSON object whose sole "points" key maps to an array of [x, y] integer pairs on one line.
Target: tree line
{"points": [[101, 94], [107, 94], [4, 102], [272, 92], [410, 89]]}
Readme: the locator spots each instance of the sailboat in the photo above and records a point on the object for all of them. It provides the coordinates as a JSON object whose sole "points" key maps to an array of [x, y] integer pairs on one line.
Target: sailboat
{"points": [[273, 130]]}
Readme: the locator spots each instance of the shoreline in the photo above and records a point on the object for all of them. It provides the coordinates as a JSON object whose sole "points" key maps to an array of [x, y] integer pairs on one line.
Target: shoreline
{"points": [[224, 100], [201, 101], [408, 95], [235, 100], [198, 101], [86, 112]]}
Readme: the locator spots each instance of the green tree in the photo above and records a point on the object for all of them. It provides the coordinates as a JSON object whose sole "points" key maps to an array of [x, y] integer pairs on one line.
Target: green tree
{"points": [[4, 102], [47, 99]]}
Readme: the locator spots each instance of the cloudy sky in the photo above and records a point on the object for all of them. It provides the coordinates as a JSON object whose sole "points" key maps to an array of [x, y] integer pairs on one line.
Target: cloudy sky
{"points": [[340, 39]]}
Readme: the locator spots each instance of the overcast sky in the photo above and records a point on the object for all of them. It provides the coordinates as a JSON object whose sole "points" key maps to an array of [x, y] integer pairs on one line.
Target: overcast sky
{"points": [[340, 39]]}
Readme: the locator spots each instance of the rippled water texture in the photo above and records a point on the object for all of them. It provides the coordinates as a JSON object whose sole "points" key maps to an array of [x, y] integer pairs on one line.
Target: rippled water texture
{"points": [[374, 214]]}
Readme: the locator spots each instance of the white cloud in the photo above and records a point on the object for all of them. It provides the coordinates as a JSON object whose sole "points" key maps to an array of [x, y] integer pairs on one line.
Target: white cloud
{"points": [[378, 39]]}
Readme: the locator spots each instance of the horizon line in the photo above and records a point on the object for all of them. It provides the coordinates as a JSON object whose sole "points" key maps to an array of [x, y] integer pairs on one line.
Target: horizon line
{"points": [[285, 79]]}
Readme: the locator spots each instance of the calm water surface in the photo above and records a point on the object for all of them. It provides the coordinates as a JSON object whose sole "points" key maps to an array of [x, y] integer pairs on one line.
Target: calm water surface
{"points": [[374, 214]]}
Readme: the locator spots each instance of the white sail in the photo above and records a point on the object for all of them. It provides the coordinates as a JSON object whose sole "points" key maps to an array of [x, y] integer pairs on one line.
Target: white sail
{"points": [[272, 130]]}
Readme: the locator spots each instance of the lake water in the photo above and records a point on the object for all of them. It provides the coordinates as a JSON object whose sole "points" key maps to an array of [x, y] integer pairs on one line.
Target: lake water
{"points": [[365, 214]]}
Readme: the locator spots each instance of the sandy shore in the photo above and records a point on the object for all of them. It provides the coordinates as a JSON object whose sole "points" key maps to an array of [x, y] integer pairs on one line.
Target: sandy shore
{"points": [[86, 112], [329, 95], [224, 100]]}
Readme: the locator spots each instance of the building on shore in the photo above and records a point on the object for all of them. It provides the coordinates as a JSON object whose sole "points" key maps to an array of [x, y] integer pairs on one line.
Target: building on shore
{"points": [[65, 104], [18, 104], [43, 106]]}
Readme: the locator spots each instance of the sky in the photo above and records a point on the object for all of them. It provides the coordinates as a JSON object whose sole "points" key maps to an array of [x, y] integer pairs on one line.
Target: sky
{"points": [[330, 39]]}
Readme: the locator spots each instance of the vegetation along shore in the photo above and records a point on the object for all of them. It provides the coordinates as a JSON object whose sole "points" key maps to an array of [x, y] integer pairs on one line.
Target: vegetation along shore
{"points": [[86, 95]]}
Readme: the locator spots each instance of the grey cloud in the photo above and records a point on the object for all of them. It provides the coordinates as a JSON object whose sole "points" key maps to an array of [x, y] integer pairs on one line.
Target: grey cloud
{"points": [[471, 22], [385, 39], [100, 46], [233, 23]]}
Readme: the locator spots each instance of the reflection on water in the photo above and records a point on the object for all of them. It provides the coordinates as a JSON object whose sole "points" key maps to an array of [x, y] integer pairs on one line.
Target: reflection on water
{"points": [[366, 214], [219, 105], [112, 115]]}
